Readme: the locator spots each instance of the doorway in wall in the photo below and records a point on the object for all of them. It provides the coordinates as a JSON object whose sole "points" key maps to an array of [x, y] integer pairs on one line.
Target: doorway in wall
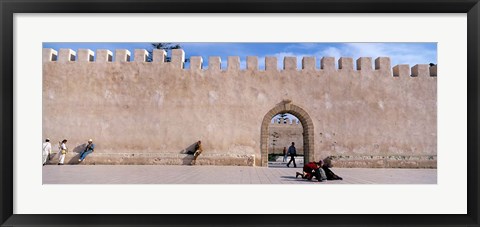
{"points": [[273, 143], [284, 130]]}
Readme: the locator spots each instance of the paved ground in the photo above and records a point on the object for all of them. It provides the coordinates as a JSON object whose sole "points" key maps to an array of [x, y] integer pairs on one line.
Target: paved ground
{"points": [[164, 174]]}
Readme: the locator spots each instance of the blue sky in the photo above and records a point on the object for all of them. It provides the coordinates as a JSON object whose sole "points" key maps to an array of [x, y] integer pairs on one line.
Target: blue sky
{"points": [[399, 53]]}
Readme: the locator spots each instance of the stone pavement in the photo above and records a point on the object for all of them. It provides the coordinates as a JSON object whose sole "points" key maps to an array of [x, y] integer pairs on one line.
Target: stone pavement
{"points": [[175, 174]]}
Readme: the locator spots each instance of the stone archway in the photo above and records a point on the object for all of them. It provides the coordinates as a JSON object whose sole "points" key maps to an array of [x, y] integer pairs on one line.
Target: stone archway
{"points": [[287, 107]]}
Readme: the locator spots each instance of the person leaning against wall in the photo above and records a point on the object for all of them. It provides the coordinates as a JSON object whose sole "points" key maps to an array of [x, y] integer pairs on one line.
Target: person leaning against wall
{"points": [[198, 151], [88, 150]]}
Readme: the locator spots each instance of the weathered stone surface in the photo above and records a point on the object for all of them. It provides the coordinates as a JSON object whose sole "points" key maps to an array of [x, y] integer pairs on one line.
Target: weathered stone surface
{"points": [[308, 63], [364, 63], [392, 161], [290, 63], [156, 107], [49, 55], [252, 63], [157, 159], [85, 55], [345, 63], [103, 56], [141, 55], [66, 55], [196, 63], [284, 134], [159, 56], [401, 70], [328, 63]]}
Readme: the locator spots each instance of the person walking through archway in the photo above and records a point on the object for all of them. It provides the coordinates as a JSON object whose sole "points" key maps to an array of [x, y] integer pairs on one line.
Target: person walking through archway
{"points": [[292, 152], [284, 153]]}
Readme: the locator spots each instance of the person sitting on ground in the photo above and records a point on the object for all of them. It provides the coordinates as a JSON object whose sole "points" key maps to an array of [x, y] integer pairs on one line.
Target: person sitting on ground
{"points": [[322, 173], [330, 174], [323, 176], [310, 170], [88, 150], [198, 151]]}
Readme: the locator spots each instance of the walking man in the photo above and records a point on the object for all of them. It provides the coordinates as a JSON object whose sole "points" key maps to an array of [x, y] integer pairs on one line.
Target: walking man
{"points": [[47, 151], [292, 152], [88, 150]]}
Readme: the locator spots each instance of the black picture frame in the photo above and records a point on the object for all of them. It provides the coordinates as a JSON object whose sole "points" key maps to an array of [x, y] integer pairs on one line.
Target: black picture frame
{"points": [[9, 7]]}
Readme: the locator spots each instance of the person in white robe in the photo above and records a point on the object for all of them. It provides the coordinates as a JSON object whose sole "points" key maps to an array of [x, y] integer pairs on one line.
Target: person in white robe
{"points": [[63, 151], [46, 151]]}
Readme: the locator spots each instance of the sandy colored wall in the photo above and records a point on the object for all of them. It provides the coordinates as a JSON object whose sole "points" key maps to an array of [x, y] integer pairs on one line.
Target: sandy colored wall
{"points": [[142, 107], [284, 135]]}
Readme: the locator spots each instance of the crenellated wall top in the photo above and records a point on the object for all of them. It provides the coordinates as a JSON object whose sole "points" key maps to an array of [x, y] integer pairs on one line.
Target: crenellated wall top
{"points": [[308, 64]]}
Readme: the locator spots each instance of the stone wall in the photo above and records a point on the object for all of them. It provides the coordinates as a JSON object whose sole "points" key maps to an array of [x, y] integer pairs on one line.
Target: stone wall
{"points": [[160, 109], [282, 134]]}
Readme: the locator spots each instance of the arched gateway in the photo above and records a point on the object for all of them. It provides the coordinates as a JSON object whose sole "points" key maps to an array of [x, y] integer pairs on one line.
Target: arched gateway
{"points": [[287, 107]]}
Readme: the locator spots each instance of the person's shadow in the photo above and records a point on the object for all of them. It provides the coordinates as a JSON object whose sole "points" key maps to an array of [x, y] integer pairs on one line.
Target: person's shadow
{"points": [[187, 160], [76, 151]]}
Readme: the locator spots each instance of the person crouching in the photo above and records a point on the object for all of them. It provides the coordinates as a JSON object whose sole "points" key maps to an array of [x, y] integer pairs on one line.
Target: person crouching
{"points": [[311, 170]]}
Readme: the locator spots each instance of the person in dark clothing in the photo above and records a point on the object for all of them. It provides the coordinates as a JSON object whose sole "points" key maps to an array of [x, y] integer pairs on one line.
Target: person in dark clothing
{"points": [[310, 170], [326, 167], [198, 151], [292, 152]]}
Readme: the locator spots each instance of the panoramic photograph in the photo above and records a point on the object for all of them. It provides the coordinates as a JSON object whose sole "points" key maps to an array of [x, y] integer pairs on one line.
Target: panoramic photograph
{"points": [[239, 113]]}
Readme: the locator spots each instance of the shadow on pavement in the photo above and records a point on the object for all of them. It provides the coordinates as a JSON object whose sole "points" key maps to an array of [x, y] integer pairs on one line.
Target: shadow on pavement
{"points": [[291, 167]]}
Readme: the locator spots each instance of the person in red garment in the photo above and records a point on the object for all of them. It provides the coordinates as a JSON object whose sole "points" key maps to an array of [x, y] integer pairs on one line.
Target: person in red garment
{"points": [[310, 170]]}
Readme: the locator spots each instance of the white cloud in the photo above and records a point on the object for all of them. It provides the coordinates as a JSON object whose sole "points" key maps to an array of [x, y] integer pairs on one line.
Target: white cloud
{"points": [[331, 52], [398, 53]]}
